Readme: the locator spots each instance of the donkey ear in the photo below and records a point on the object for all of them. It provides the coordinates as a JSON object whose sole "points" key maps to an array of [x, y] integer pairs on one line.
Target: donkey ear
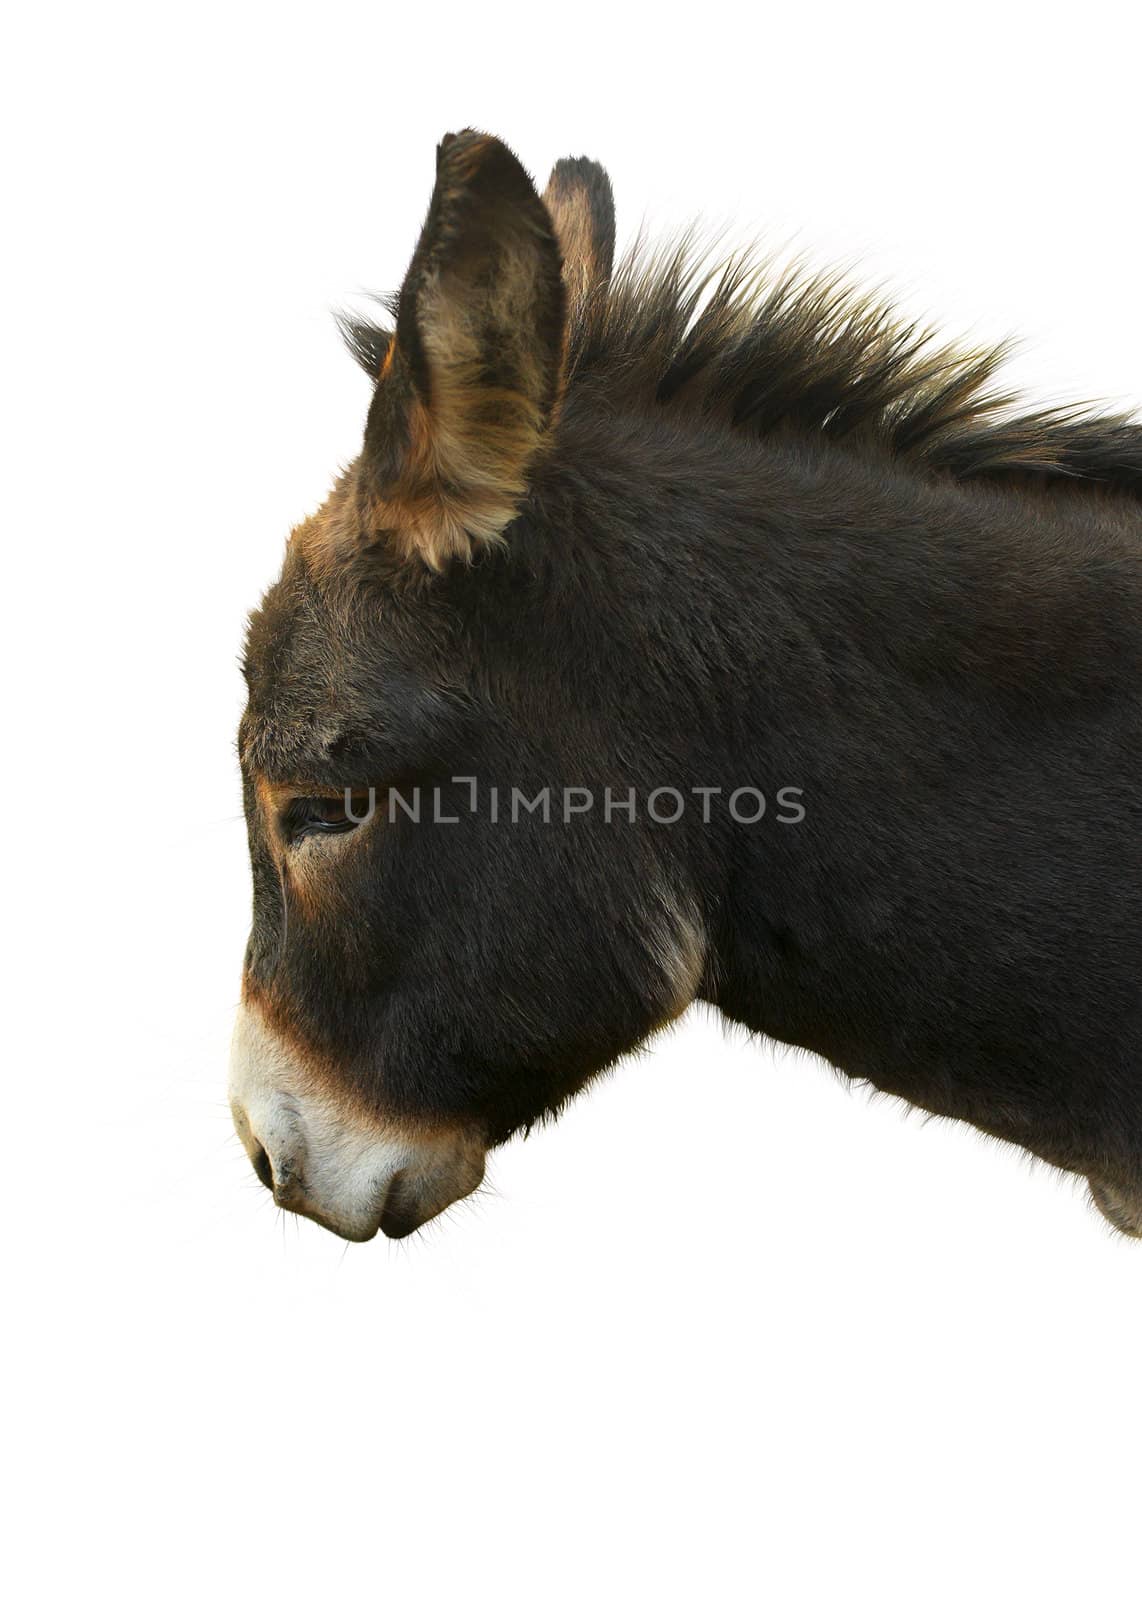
{"points": [[469, 383], [582, 207]]}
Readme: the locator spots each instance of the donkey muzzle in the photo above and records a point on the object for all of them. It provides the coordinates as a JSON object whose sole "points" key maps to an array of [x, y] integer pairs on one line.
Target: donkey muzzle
{"points": [[350, 1171]]}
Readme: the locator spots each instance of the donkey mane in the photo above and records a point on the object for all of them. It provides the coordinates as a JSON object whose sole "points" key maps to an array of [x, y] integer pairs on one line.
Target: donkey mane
{"points": [[762, 349]]}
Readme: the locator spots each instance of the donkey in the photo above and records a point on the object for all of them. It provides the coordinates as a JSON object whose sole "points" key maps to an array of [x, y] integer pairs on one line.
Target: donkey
{"points": [[824, 657]]}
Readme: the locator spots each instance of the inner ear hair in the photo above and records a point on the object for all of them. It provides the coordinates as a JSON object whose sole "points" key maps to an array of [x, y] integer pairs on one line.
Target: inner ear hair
{"points": [[582, 207], [470, 383]]}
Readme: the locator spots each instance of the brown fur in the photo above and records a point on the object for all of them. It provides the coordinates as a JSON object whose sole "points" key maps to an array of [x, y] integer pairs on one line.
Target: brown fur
{"points": [[468, 386], [763, 351], [745, 558], [578, 196], [739, 343]]}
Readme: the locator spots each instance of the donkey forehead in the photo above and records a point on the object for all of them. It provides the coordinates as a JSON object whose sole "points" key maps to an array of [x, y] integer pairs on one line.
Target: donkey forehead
{"points": [[296, 629], [296, 734], [281, 748], [337, 682], [298, 704]]}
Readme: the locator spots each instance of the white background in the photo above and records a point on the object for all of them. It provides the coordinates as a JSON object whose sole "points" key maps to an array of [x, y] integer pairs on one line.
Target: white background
{"points": [[728, 1329]]}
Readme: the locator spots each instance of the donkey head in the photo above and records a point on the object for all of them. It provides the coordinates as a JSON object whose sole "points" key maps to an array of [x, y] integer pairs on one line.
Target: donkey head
{"points": [[437, 958]]}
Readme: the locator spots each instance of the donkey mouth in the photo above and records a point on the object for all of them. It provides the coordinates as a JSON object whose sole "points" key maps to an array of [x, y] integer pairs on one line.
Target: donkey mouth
{"points": [[352, 1230], [395, 1203], [400, 1216], [414, 1199], [403, 1211]]}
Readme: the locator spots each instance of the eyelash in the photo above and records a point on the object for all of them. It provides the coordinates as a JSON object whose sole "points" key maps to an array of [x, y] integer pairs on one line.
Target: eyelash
{"points": [[310, 814]]}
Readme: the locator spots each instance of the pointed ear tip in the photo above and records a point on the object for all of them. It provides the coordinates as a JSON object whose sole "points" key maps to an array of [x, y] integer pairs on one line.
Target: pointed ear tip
{"points": [[450, 138], [472, 153], [569, 168], [471, 139], [446, 143], [580, 175]]}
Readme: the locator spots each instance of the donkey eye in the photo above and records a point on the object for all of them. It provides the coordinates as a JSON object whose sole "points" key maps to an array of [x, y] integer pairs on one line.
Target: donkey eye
{"points": [[319, 814]]}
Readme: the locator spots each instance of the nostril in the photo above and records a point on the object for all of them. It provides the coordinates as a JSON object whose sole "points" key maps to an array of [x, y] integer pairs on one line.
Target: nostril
{"points": [[262, 1167]]}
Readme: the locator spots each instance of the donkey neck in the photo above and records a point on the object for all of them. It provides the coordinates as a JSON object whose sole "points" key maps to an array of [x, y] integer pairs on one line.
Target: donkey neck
{"points": [[922, 659]]}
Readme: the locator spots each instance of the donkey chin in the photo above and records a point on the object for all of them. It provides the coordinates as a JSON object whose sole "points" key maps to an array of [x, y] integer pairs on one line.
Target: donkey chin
{"points": [[333, 1163]]}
